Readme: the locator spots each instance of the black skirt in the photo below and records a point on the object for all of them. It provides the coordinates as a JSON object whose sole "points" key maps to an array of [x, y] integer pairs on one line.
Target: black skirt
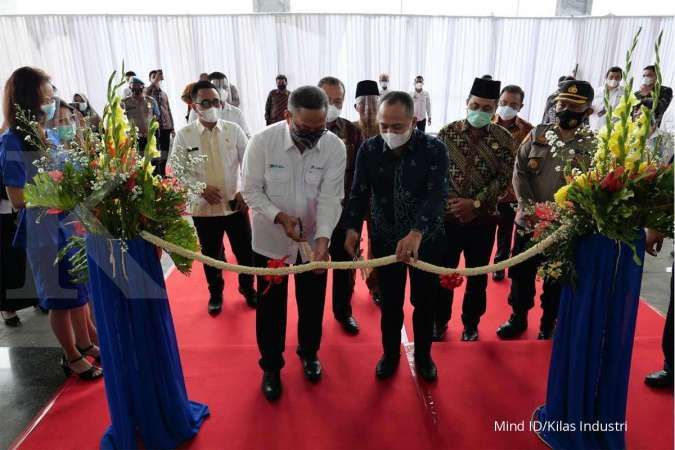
{"points": [[17, 290]]}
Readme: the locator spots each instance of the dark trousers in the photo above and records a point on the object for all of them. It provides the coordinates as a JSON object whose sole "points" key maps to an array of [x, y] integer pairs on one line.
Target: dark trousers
{"points": [[141, 143], [507, 214], [476, 242], [422, 125], [343, 280], [424, 288], [163, 143], [270, 315], [667, 342], [523, 290], [211, 231]]}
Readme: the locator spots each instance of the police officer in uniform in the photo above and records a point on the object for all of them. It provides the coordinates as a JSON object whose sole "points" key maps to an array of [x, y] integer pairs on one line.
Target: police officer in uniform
{"points": [[537, 175]]}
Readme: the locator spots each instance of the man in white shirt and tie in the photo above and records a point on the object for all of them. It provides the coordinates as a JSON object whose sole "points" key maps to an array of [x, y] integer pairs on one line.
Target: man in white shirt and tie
{"points": [[221, 208], [293, 180]]}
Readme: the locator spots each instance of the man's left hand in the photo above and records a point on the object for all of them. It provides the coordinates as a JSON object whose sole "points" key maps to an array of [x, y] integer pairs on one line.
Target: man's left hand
{"points": [[320, 252], [408, 248], [240, 204], [462, 209]]}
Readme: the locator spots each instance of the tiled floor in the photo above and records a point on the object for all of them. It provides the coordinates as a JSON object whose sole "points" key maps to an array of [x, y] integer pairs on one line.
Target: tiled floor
{"points": [[29, 355]]}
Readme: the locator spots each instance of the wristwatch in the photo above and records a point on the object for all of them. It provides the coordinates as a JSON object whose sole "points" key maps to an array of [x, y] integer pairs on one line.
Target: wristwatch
{"points": [[476, 204]]}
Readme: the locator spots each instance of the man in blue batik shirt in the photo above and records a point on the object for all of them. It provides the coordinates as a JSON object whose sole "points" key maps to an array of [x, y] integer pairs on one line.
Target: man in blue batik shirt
{"points": [[403, 175]]}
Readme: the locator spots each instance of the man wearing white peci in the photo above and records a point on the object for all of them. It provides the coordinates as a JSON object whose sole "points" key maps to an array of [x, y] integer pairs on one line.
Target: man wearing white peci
{"points": [[221, 208], [293, 180]]}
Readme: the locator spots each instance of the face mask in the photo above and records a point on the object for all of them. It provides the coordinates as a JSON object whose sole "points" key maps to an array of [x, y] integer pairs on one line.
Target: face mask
{"points": [[307, 140], [384, 84], [82, 106], [49, 110], [612, 83], [209, 115], [647, 81], [478, 118], [395, 140], [281, 87], [66, 132], [137, 91], [224, 94], [506, 112], [333, 113], [569, 119], [418, 86]]}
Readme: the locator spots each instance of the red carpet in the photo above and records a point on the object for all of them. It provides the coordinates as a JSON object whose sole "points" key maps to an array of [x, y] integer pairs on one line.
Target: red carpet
{"points": [[479, 383]]}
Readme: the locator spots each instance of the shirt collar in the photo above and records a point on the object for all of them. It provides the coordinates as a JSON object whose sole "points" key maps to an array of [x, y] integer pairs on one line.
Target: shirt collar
{"points": [[202, 128]]}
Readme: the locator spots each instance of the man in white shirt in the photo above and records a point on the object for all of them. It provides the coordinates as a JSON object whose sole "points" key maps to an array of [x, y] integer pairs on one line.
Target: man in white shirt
{"points": [[422, 102], [221, 208], [293, 181], [613, 85], [384, 83], [229, 113]]}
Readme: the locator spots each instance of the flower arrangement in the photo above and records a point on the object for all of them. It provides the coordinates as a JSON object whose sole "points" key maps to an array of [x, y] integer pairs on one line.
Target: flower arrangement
{"points": [[625, 189], [105, 183]]}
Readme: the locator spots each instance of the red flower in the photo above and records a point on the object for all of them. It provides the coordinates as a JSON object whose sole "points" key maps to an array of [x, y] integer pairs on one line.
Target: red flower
{"points": [[52, 211], [540, 228], [650, 173], [545, 212], [274, 279], [131, 182], [612, 181], [78, 228], [56, 175], [451, 281]]}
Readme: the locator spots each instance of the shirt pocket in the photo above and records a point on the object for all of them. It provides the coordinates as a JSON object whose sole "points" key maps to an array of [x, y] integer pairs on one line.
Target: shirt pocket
{"points": [[536, 158], [312, 181], [277, 181]]}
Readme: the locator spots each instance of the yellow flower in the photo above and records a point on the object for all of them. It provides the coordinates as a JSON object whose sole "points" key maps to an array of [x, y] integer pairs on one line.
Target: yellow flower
{"points": [[560, 196], [582, 181]]}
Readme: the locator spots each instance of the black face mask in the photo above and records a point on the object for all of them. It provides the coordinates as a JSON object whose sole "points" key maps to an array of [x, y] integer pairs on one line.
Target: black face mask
{"points": [[569, 120], [137, 91], [307, 140], [281, 87]]}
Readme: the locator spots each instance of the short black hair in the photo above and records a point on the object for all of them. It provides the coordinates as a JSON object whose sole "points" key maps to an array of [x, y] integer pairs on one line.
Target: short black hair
{"points": [[398, 97], [513, 89], [650, 67], [487, 76], [419, 77], [282, 77], [200, 85], [217, 76], [151, 74], [307, 97], [614, 69], [130, 73], [332, 81]]}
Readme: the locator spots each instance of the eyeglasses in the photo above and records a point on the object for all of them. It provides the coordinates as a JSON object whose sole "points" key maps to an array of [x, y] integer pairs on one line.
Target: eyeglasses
{"points": [[206, 104]]}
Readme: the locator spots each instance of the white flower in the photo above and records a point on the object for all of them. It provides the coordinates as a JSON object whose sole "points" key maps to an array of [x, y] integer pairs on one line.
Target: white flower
{"points": [[557, 168], [560, 144], [572, 152]]}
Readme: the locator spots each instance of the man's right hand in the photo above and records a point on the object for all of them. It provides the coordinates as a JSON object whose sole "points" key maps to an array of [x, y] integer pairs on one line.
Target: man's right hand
{"points": [[212, 195], [654, 242], [352, 242], [288, 223]]}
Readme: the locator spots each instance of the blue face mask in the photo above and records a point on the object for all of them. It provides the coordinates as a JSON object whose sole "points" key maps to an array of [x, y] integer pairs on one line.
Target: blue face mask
{"points": [[66, 133], [478, 118], [49, 110]]}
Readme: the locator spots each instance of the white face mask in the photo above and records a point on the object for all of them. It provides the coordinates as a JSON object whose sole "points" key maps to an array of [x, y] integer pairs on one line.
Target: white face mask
{"points": [[209, 115], [384, 84], [333, 113], [506, 112], [612, 83], [82, 106], [224, 94], [395, 140], [647, 81], [418, 86]]}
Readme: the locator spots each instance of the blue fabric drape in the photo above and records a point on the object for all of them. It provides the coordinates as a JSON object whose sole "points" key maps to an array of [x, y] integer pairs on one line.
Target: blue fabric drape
{"points": [[142, 371], [592, 347]]}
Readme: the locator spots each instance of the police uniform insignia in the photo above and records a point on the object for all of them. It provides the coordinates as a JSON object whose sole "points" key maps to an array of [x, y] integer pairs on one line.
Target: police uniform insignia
{"points": [[533, 164], [495, 145], [572, 89]]}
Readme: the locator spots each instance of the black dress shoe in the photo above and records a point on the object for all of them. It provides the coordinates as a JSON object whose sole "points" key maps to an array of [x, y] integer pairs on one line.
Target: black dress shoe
{"points": [[377, 297], [386, 366], [498, 275], [350, 325], [312, 368], [426, 368], [512, 328], [439, 331], [660, 380], [11, 321], [271, 385], [250, 295], [470, 334], [215, 305]]}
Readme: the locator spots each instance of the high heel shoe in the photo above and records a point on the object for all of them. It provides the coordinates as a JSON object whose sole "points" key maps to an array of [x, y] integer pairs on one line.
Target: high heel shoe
{"points": [[92, 373], [87, 351]]}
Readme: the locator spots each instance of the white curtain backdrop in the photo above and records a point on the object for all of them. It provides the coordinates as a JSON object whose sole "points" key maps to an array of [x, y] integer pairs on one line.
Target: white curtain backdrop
{"points": [[80, 52]]}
